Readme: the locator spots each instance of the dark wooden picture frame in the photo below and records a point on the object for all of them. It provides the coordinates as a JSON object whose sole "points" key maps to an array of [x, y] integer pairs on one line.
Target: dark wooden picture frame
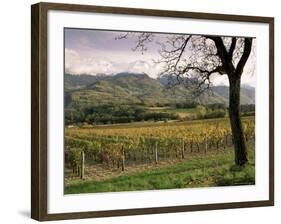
{"points": [[39, 107]]}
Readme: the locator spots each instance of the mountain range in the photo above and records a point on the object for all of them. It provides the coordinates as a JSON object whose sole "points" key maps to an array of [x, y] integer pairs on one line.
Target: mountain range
{"points": [[139, 88]]}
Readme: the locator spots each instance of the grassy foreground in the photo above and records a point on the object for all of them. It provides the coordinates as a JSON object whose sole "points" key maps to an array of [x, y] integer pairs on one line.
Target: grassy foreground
{"points": [[214, 169]]}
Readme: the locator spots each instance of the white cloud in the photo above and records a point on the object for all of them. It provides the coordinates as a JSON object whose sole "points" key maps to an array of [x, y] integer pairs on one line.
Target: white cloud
{"points": [[75, 64], [218, 80], [71, 58], [102, 62]]}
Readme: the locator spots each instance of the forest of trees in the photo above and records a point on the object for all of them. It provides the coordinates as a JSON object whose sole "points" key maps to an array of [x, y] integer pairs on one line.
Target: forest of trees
{"points": [[112, 114]]}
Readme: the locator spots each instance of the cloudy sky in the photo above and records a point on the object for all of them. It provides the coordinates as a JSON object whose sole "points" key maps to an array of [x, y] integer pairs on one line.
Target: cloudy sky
{"points": [[98, 52]]}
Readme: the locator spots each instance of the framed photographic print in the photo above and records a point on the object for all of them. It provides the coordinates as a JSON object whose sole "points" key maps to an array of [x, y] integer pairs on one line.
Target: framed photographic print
{"points": [[138, 111]]}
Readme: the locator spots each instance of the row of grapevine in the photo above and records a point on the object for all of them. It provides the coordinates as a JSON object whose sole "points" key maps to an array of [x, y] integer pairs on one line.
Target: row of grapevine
{"points": [[118, 147]]}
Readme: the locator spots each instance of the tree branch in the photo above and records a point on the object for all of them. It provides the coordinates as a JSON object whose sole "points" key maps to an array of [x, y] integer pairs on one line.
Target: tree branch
{"points": [[182, 50], [232, 47], [205, 56], [223, 54], [245, 56], [218, 69]]}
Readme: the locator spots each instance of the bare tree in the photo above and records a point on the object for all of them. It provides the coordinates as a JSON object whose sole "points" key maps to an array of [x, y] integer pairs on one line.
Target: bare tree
{"points": [[193, 59]]}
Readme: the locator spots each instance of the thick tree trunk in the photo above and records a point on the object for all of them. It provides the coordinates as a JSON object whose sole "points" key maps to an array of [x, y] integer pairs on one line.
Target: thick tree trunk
{"points": [[236, 123]]}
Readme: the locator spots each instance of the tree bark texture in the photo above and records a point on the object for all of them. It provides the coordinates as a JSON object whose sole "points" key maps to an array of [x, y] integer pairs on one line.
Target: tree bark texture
{"points": [[236, 123]]}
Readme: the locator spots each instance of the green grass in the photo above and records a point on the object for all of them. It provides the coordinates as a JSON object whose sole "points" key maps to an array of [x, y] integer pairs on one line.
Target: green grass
{"points": [[173, 110], [213, 170], [182, 112]]}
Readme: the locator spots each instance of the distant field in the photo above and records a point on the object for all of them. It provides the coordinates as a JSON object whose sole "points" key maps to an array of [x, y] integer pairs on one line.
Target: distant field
{"points": [[182, 112], [192, 123]]}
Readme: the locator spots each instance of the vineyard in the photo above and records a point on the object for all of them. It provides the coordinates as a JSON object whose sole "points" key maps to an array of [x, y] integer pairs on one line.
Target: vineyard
{"points": [[122, 146]]}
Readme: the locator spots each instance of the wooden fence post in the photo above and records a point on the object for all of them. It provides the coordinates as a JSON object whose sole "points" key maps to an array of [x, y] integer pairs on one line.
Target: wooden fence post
{"points": [[182, 149], [198, 147], [77, 169], [156, 152], [82, 165], [123, 159], [206, 145]]}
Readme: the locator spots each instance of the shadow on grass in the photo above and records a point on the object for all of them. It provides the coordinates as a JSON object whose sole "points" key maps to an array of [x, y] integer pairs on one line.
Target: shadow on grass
{"points": [[237, 175]]}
